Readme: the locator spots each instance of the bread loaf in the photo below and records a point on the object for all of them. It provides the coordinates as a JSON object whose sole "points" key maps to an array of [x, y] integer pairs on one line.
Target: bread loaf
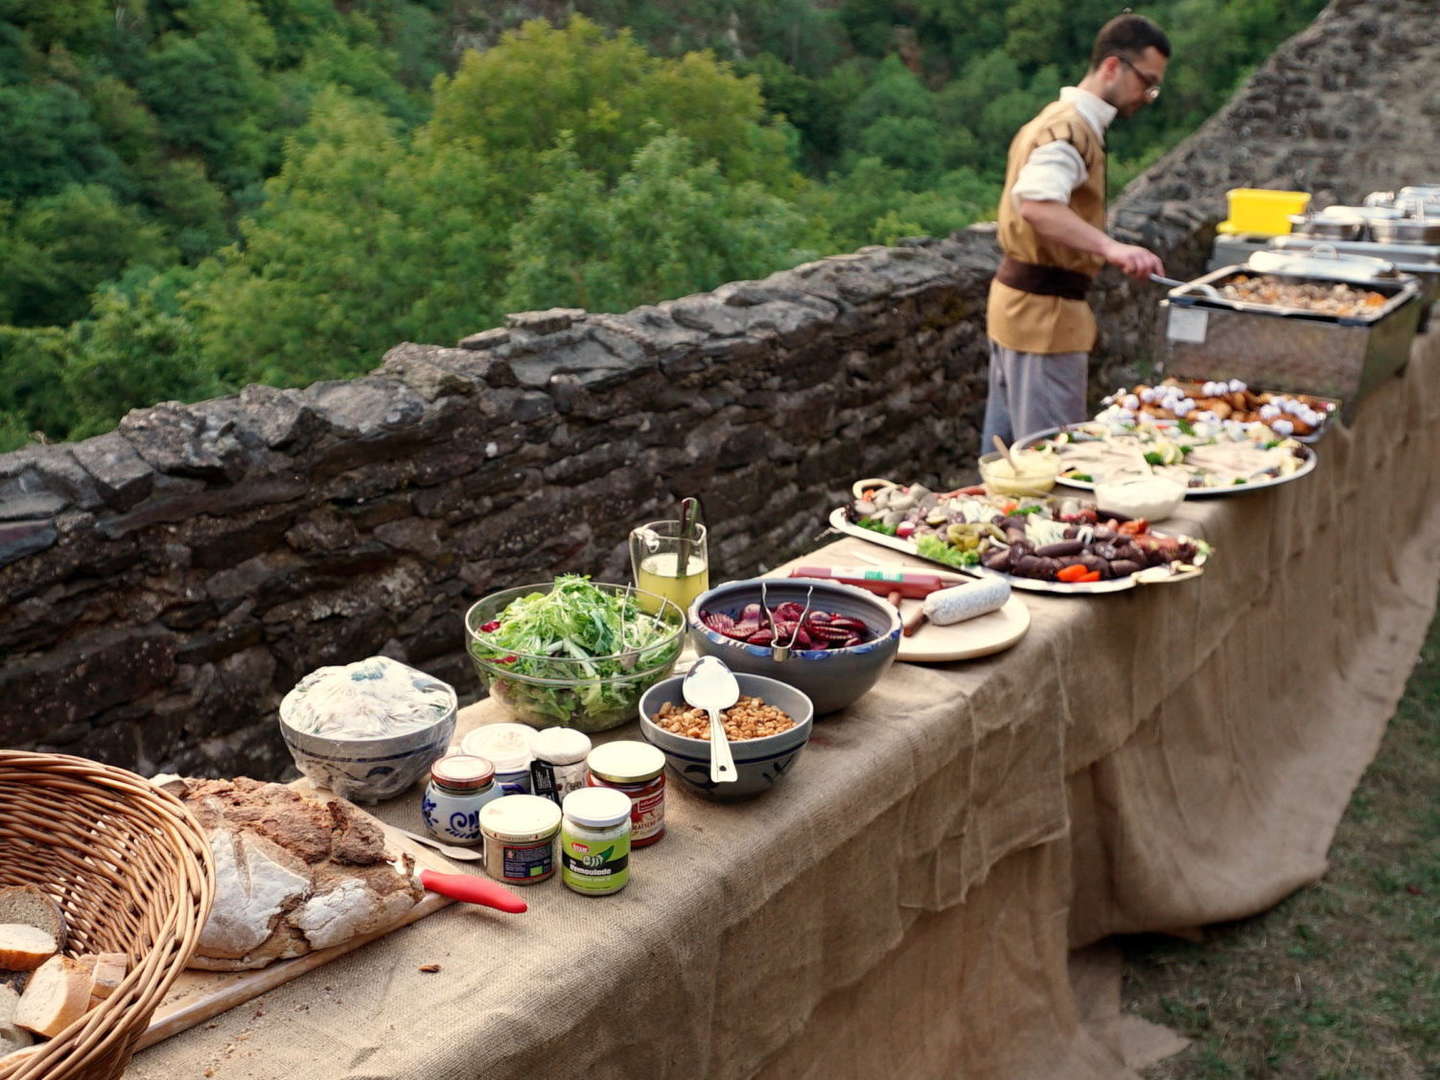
{"points": [[108, 973], [24, 947], [30, 905], [292, 874], [11, 1037], [56, 995]]}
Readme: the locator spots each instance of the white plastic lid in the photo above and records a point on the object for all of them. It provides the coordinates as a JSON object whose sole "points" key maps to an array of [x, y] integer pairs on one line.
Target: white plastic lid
{"points": [[507, 745], [560, 745], [510, 761], [597, 807], [626, 761], [520, 817]]}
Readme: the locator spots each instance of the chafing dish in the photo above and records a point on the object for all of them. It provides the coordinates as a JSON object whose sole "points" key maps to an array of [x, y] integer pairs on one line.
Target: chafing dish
{"points": [[1295, 349]]}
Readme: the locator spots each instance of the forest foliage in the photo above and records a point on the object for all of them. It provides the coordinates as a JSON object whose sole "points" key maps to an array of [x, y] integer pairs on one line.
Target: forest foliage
{"points": [[200, 194]]}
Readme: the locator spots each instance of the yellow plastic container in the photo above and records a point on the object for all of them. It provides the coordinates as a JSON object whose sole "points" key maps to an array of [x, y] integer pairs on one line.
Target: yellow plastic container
{"points": [[1261, 210]]}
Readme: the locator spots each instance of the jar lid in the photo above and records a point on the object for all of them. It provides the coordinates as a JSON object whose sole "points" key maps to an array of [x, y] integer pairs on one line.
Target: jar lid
{"points": [[508, 761], [465, 771], [494, 740], [597, 807], [520, 817], [626, 761], [561, 745]]}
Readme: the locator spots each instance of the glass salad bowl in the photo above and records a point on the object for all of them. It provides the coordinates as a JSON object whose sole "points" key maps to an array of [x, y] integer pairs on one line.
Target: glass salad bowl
{"points": [[572, 652]]}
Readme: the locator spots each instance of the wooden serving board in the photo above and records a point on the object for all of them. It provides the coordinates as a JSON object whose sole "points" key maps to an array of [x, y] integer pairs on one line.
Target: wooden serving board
{"points": [[197, 996], [988, 634], [932, 644]]}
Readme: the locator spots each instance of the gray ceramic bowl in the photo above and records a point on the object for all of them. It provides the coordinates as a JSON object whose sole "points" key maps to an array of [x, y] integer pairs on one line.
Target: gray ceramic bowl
{"points": [[369, 770], [831, 678], [760, 764]]}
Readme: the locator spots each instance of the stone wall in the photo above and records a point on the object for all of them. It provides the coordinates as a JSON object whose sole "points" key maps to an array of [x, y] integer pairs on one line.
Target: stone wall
{"points": [[166, 583]]}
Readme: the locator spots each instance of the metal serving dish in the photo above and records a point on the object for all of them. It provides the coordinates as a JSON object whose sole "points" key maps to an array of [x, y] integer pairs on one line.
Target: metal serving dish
{"points": [[1328, 226], [1420, 260], [1341, 357], [1408, 230]]}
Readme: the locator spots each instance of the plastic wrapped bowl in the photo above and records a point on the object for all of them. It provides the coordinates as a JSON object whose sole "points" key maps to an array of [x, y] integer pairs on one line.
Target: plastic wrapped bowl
{"points": [[550, 691]]}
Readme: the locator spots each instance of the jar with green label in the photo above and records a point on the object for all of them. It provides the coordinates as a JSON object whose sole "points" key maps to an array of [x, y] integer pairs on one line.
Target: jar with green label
{"points": [[595, 841]]}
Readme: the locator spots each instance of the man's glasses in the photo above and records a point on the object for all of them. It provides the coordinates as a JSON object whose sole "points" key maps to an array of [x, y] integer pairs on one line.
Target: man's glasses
{"points": [[1152, 84]]}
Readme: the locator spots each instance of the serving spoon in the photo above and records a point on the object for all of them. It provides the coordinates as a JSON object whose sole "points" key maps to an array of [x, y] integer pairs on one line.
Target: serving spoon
{"points": [[710, 685]]}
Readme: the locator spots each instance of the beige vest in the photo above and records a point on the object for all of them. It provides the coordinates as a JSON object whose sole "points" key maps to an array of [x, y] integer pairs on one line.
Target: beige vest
{"points": [[1027, 322]]}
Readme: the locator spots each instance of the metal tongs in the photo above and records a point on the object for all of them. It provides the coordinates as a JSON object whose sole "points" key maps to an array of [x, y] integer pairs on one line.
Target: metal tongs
{"points": [[1207, 291], [778, 651]]}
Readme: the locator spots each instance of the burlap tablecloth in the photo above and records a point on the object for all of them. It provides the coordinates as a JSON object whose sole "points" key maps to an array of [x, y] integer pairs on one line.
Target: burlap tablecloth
{"points": [[906, 902]]}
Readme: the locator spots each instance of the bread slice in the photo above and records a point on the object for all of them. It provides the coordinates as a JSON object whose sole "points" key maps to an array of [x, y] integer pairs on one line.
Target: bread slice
{"points": [[24, 947], [11, 1037], [109, 973], [57, 995], [31, 905]]}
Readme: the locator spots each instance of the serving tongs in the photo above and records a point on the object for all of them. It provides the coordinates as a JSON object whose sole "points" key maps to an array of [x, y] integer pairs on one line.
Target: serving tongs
{"points": [[1207, 291], [778, 651]]}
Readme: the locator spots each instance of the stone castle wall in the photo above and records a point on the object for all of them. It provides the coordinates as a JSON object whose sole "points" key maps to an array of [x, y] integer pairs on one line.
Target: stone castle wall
{"points": [[164, 584]]}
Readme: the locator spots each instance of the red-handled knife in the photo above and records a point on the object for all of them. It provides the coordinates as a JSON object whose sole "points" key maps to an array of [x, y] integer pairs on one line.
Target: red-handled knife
{"points": [[472, 890]]}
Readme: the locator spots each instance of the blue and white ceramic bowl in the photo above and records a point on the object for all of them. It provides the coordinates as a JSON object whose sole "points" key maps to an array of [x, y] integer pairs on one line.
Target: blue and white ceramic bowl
{"points": [[760, 764], [831, 678], [369, 770]]}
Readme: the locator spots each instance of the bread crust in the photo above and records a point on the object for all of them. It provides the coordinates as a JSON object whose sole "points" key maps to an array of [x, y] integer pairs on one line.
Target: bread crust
{"points": [[293, 874]]}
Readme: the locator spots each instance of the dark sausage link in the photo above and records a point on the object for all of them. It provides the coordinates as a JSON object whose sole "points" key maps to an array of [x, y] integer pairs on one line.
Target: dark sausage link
{"points": [[1061, 547]]}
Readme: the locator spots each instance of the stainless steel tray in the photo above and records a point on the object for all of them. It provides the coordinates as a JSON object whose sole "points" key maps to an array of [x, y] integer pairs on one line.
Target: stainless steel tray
{"points": [[1289, 349]]}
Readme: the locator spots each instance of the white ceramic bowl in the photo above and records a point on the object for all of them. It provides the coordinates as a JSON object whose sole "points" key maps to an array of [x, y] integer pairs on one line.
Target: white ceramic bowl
{"points": [[1151, 497]]}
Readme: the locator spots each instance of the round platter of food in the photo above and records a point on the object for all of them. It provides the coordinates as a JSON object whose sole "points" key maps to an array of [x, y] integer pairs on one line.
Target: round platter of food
{"points": [[1204, 463], [1037, 543]]}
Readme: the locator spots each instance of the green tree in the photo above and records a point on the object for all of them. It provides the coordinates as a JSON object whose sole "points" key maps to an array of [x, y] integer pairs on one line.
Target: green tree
{"points": [[516, 100], [671, 226], [360, 244], [55, 251]]}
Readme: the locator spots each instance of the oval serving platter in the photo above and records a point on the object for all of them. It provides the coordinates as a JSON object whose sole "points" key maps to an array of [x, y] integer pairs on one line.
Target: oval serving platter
{"points": [[840, 523], [1307, 466]]}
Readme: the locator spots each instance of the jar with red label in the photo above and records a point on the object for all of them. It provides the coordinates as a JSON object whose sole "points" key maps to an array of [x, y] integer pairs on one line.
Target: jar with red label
{"points": [[637, 769]]}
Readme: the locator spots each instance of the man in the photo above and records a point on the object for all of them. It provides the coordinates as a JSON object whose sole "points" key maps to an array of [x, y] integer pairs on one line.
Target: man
{"points": [[1052, 221]]}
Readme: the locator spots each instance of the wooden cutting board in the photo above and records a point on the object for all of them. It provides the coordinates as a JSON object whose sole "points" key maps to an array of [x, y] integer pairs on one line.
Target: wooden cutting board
{"points": [[197, 996]]}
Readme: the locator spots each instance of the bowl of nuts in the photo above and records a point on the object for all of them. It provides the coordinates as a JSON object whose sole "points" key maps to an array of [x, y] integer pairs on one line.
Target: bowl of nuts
{"points": [[767, 728]]}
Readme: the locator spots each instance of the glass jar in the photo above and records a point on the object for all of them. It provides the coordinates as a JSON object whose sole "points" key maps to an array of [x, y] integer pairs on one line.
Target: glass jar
{"points": [[460, 785], [559, 765], [638, 770], [595, 842], [519, 833], [507, 747]]}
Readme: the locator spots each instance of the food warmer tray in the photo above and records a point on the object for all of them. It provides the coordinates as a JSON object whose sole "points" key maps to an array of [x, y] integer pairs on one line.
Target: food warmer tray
{"points": [[1289, 349], [840, 523]]}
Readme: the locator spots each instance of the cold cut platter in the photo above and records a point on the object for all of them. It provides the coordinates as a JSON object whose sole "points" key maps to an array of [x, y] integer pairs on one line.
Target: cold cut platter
{"points": [[1210, 438], [1041, 544]]}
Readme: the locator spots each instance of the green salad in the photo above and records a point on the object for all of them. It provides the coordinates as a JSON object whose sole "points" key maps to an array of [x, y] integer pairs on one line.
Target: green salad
{"points": [[580, 654]]}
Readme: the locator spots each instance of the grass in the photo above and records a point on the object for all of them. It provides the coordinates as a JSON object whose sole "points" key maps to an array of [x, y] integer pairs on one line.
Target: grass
{"points": [[1340, 981]]}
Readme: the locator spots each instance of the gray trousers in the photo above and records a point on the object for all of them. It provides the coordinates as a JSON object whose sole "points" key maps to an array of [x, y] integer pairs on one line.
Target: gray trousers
{"points": [[1030, 392]]}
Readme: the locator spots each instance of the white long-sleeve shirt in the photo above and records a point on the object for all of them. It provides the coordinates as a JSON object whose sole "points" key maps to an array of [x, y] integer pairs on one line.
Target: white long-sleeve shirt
{"points": [[1054, 170]]}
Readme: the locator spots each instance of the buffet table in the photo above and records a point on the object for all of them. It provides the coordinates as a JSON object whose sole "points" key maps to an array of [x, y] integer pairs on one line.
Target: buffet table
{"points": [[906, 901]]}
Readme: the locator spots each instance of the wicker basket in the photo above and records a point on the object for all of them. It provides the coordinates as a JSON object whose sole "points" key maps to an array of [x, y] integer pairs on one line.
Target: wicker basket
{"points": [[131, 869]]}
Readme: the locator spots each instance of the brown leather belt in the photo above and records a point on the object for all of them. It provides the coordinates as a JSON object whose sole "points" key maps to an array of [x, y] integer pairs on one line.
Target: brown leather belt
{"points": [[1042, 280]]}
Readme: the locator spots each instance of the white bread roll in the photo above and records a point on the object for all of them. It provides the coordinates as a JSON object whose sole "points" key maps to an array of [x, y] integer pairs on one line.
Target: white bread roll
{"points": [[56, 995], [11, 1037], [109, 973], [24, 947]]}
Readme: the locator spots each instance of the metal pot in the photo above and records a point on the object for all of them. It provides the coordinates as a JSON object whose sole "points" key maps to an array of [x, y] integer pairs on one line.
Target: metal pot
{"points": [[1327, 227], [1407, 230]]}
